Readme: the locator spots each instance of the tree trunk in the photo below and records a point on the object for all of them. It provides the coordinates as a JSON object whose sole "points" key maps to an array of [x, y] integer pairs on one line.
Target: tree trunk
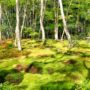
{"points": [[62, 36], [33, 17], [17, 31], [56, 20], [0, 35], [64, 21], [23, 22], [0, 22], [41, 20]]}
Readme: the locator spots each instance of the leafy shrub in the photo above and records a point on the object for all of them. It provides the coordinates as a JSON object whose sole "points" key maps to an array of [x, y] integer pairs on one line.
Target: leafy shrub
{"points": [[9, 46], [29, 32], [14, 78]]}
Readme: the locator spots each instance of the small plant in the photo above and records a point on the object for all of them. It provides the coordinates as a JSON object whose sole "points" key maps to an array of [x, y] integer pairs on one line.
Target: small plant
{"points": [[9, 46]]}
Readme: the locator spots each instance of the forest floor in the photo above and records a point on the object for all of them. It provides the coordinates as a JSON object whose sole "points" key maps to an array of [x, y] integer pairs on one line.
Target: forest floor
{"points": [[52, 66]]}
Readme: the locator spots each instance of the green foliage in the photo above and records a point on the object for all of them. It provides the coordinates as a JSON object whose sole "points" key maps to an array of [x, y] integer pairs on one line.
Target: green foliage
{"points": [[31, 33], [76, 14], [7, 86], [58, 86], [51, 66], [14, 78]]}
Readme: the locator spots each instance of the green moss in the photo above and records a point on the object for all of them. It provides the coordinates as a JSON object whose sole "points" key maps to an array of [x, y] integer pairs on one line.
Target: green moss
{"points": [[61, 67]]}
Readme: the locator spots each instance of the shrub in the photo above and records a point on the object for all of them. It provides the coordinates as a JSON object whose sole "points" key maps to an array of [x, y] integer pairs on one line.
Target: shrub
{"points": [[10, 45], [14, 78], [29, 32]]}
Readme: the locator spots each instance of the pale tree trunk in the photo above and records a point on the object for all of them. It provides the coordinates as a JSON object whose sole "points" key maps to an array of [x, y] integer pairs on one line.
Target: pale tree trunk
{"points": [[41, 20], [56, 21], [0, 22], [35, 21], [0, 35], [56, 28], [33, 17], [17, 31], [62, 36], [64, 21], [23, 22]]}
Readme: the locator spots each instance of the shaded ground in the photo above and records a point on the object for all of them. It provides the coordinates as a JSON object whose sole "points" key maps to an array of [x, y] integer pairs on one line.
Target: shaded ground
{"points": [[52, 66]]}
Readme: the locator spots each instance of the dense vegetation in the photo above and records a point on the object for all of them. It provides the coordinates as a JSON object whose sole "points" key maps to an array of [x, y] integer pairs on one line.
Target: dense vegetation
{"points": [[77, 15], [40, 67], [44, 45]]}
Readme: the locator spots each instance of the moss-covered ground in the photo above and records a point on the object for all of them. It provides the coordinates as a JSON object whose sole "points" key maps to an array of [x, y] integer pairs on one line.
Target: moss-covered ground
{"points": [[49, 66]]}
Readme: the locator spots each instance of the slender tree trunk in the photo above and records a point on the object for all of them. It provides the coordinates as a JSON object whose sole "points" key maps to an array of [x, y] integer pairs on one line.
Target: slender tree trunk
{"points": [[35, 22], [0, 35], [64, 21], [23, 22], [17, 31], [56, 21], [33, 17], [41, 20], [0, 21], [62, 36], [30, 20]]}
